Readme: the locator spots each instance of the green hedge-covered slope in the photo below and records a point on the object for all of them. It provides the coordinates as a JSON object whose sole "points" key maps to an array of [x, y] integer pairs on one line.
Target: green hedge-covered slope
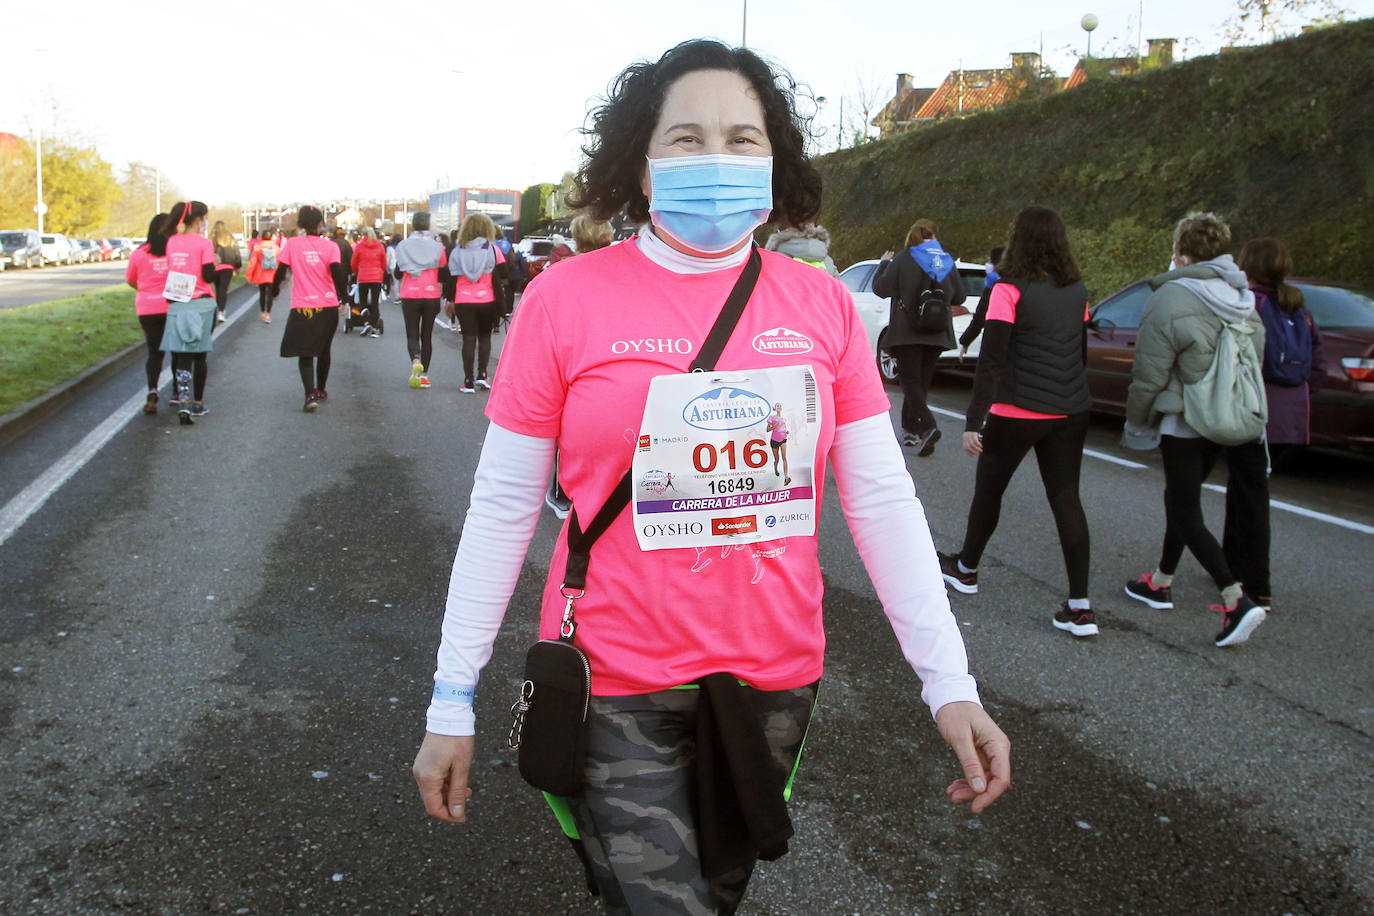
{"points": [[1278, 139]]}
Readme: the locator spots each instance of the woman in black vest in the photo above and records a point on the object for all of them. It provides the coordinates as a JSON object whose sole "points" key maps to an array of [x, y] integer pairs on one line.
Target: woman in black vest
{"points": [[1031, 391]]}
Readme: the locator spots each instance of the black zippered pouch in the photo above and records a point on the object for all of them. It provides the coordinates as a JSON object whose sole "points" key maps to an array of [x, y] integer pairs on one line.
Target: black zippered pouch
{"points": [[550, 727]]}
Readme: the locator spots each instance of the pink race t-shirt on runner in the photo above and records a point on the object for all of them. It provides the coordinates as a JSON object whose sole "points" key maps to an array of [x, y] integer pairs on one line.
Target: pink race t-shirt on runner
{"points": [[312, 284], [426, 285], [777, 428], [148, 274], [187, 252], [465, 291], [587, 339], [1002, 307]]}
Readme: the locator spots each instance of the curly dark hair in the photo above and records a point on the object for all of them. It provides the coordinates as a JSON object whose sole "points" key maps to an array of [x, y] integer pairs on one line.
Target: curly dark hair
{"points": [[1038, 249], [619, 132]]}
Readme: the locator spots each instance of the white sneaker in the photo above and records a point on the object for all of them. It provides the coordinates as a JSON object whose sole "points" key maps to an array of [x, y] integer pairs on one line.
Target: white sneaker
{"points": [[484, 384]]}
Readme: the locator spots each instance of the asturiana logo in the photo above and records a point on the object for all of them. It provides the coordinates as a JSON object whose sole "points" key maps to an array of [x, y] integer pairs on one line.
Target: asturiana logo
{"points": [[726, 408], [782, 342]]}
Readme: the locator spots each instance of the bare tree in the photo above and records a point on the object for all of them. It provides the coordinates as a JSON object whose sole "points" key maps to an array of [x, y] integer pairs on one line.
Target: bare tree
{"points": [[865, 101], [1269, 20]]}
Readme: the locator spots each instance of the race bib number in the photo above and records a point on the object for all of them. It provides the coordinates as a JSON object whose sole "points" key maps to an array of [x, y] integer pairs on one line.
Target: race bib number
{"points": [[727, 458], [179, 287]]}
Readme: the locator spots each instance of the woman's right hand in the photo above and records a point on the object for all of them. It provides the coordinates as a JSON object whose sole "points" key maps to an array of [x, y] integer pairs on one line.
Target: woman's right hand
{"points": [[973, 443], [441, 773], [887, 255]]}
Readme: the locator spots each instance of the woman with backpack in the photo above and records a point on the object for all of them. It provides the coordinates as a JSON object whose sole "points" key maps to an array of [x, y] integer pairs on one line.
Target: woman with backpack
{"points": [[922, 284], [1031, 392], [262, 270], [1181, 331], [228, 260], [1294, 358]]}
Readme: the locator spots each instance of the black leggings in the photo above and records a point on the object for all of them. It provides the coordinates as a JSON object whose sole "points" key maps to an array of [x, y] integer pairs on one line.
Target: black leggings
{"points": [[368, 296], [314, 371], [419, 315], [1243, 555], [265, 298], [477, 320], [194, 364], [222, 278], [915, 370], [1058, 448], [153, 326]]}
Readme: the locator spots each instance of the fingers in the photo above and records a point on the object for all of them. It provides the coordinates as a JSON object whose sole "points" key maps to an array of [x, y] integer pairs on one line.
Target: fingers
{"points": [[441, 774], [983, 752]]}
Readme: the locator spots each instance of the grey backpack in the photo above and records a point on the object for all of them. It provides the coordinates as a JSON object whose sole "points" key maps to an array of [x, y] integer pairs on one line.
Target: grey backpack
{"points": [[1227, 405]]}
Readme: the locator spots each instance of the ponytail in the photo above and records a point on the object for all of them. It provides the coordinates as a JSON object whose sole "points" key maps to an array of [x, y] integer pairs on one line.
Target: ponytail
{"points": [[1268, 262], [184, 213], [157, 234]]}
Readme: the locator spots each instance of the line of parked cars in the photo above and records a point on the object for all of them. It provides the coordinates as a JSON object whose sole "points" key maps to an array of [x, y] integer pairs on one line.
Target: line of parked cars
{"points": [[1342, 410], [27, 248]]}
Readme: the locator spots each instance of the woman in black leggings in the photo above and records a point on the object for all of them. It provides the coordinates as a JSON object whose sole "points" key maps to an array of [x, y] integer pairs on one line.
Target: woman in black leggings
{"points": [[228, 260], [478, 268], [1031, 392]]}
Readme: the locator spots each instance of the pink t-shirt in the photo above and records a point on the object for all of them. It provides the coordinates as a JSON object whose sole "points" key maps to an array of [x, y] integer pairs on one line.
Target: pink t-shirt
{"points": [[309, 257], [464, 290], [425, 286], [586, 341], [777, 426], [148, 274], [186, 253], [1002, 307]]}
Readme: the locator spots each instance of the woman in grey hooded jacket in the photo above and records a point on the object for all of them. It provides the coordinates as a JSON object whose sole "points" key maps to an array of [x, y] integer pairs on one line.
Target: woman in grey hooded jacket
{"points": [[1179, 330]]}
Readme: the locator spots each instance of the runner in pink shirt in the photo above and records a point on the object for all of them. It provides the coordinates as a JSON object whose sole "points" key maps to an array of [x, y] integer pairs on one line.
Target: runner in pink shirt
{"points": [[191, 307], [703, 144], [776, 425], [316, 271], [418, 259], [147, 274]]}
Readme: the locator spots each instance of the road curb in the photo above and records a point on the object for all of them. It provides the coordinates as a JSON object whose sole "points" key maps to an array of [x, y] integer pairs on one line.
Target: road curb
{"points": [[29, 414]]}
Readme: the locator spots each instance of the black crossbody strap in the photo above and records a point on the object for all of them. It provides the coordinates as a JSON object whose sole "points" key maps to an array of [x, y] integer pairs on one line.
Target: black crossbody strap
{"points": [[580, 541]]}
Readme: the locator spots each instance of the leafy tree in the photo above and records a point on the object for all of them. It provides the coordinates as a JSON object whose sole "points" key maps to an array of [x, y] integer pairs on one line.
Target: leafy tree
{"points": [[18, 190], [79, 188], [138, 200], [534, 206]]}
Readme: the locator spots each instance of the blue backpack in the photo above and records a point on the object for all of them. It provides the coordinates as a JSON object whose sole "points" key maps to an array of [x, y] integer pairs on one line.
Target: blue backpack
{"points": [[1287, 343]]}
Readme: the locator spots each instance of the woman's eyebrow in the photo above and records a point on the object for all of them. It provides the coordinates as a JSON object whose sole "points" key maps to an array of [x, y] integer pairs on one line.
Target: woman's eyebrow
{"points": [[694, 128]]}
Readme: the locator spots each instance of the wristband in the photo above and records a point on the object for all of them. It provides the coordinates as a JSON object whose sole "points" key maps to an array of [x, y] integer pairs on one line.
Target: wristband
{"points": [[453, 693]]}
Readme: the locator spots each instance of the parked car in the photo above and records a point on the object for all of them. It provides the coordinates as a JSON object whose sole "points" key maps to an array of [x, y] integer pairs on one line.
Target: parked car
{"points": [[20, 248], [1342, 410], [80, 252], [536, 250], [873, 309], [107, 251], [56, 249], [91, 248], [123, 248]]}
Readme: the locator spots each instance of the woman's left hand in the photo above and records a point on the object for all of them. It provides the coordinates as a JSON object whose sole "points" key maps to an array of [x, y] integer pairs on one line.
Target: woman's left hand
{"points": [[982, 750], [973, 443]]}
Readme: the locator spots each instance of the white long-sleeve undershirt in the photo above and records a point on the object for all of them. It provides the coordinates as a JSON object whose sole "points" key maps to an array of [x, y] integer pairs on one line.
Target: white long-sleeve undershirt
{"points": [[879, 502]]}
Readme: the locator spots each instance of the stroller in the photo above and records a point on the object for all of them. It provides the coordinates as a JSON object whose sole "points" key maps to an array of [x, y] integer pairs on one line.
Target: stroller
{"points": [[357, 316]]}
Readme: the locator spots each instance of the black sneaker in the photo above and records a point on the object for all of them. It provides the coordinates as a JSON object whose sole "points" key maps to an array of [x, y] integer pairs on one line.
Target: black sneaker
{"points": [[928, 443], [184, 415], [1143, 589], [198, 409], [1238, 623], [1078, 622], [311, 402], [966, 582], [910, 439]]}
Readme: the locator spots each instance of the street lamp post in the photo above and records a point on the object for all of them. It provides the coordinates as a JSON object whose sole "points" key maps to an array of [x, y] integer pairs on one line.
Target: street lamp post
{"points": [[40, 208]]}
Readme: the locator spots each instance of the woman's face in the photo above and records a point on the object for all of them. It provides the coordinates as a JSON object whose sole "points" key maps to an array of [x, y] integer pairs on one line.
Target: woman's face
{"points": [[707, 113]]}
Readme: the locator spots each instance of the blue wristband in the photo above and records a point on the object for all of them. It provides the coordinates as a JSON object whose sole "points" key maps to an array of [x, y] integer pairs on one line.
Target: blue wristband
{"points": [[453, 693]]}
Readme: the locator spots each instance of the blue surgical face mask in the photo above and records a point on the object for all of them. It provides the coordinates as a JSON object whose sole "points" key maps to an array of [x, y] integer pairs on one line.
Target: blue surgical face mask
{"points": [[710, 203]]}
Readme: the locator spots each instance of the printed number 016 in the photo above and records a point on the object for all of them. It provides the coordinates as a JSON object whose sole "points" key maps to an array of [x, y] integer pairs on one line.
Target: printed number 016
{"points": [[704, 455]]}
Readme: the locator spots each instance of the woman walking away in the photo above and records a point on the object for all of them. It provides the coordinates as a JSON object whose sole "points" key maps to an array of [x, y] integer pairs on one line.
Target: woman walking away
{"points": [[921, 281], [190, 304], [313, 263], [478, 269], [369, 263], [418, 259], [261, 272], [228, 260], [1180, 334], [980, 314], [1031, 392], [702, 145], [147, 274]]}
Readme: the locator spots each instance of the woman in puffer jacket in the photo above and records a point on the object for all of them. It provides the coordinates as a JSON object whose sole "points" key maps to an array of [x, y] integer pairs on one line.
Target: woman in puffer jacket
{"points": [[1179, 330], [809, 243], [369, 263]]}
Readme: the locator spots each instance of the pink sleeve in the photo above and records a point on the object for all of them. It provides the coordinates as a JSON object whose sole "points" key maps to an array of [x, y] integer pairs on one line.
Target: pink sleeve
{"points": [[858, 387], [443, 258], [284, 253], [1087, 311], [131, 275], [530, 388], [207, 251], [335, 256], [1002, 305]]}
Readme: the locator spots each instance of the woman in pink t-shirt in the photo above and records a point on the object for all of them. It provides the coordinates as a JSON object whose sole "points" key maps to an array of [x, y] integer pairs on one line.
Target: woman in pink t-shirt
{"points": [[190, 304], [776, 425], [477, 267], [703, 144], [315, 265], [147, 274]]}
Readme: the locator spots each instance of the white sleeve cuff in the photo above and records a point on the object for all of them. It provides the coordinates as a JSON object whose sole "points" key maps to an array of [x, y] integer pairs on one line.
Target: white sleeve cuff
{"points": [[890, 530]]}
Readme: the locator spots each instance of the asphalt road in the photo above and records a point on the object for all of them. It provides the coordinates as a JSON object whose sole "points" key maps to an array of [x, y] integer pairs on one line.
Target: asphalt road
{"points": [[216, 646], [25, 287]]}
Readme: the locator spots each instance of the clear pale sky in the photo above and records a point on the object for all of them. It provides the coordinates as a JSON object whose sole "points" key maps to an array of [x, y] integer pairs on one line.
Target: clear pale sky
{"points": [[298, 99]]}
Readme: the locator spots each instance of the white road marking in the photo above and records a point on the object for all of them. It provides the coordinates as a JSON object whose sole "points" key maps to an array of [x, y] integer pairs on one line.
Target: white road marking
{"points": [[30, 499]]}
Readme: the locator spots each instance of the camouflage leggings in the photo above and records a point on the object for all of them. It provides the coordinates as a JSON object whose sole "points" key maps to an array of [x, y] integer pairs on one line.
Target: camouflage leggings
{"points": [[636, 813]]}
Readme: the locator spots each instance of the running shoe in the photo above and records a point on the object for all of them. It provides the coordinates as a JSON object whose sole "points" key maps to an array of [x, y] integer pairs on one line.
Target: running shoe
{"points": [[1143, 589], [910, 439], [184, 415], [483, 383], [1239, 622], [374, 333], [424, 381], [366, 330], [1078, 622], [467, 387], [198, 409], [150, 405], [219, 318], [321, 394], [966, 582], [557, 501], [416, 371], [928, 443], [311, 402], [266, 318]]}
